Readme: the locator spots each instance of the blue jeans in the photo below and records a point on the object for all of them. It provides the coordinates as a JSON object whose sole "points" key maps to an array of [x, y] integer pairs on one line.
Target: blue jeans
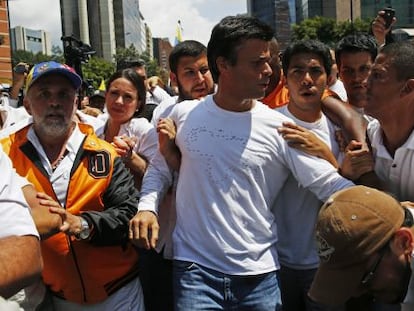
{"points": [[199, 288]]}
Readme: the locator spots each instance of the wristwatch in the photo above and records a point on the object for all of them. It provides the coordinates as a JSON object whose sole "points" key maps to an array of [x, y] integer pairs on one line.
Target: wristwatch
{"points": [[85, 230]]}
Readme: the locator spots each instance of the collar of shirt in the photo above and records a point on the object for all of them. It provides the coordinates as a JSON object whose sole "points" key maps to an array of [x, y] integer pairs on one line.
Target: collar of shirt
{"points": [[72, 146]]}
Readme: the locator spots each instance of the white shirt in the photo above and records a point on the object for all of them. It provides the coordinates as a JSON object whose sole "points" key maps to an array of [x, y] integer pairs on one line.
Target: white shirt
{"points": [[233, 166], [397, 171], [147, 139], [11, 115], [166, 209], [163, 109], [156, 96], [91, 120], [60, 177], [297, 207], [339, 89], [15, 213]]}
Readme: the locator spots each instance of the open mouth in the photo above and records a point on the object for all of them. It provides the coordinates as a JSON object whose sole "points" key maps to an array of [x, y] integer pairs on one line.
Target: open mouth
{"points": [[200, 90], [307, 94]]}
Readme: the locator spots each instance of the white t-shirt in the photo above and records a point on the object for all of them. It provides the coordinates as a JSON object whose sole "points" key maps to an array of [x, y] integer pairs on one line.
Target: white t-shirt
{"points": [[11, 115], [15, 213], [163, 109], [233, 166], [297, 207], [156, 96], [339, 88]]}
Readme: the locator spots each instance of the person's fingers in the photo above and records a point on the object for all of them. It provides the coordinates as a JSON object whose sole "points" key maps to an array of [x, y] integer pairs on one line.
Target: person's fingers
{"points": [[154, 235]]}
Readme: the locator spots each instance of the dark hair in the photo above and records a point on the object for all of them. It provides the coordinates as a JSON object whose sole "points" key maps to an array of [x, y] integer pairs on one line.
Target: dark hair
{"points": [[130, 63], [358, 42], [190, 48], [229, 34], [402, 58], [136, 80], [307, 46]]}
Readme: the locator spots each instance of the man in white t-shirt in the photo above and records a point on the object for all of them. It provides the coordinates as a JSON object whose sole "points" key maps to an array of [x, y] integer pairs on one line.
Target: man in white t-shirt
{"points": [[19, 239], [306, 67], [190, 72], [233, 165]]}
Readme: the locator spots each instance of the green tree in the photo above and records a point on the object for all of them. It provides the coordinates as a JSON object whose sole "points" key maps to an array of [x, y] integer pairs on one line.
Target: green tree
{"points": [[96, 70], [151, 65], [31, 58], [57, 54], [327, 30]]}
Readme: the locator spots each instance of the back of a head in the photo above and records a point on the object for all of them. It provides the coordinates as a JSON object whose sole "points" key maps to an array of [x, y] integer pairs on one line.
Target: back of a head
{"points": [[307, 46], [353, 225], [185, 48], [130, 63], [402, 55], [229, 34], [354, 43]]}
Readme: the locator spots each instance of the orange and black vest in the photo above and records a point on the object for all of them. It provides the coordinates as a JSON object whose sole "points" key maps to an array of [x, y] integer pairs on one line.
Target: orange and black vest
{"points": [[77, 271]]}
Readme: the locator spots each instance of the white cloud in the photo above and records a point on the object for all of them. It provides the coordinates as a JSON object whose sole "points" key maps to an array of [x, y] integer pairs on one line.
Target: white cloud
{"points": [[197, 16], [37, 14]]}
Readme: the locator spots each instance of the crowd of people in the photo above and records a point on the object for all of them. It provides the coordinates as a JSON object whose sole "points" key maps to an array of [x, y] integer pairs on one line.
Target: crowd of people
{"points": [[271, 180]]}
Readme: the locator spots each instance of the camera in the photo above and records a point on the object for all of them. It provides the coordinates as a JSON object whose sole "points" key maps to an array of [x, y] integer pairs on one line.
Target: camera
{"points": [[76, 52], [21, 68], [388, 16]]}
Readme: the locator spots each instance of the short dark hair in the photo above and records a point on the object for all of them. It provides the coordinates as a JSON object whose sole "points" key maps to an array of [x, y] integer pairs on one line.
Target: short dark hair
{"points": [[402, 58], [307, 46], [190, 48], [354, 43], [136, 80], [130, 63], [229, 34]]}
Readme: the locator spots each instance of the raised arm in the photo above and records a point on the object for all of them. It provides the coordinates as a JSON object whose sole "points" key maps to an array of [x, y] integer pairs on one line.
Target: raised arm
{"points": [[351, 122]]}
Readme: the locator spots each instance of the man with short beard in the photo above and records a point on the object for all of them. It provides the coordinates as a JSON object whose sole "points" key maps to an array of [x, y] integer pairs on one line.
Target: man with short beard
{"points": [[88, 262], [190, 72]]}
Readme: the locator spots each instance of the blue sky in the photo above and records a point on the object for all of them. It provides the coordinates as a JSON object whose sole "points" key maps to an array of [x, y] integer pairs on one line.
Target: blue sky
{"points": [[197, 16]]}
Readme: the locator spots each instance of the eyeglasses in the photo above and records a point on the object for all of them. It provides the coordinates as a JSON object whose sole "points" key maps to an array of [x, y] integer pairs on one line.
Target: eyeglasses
{"points": [[367, 278], [408, 222]]}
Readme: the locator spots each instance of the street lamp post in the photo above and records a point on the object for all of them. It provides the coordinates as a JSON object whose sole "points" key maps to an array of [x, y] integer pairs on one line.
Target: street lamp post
{"points": [[352, 10]]}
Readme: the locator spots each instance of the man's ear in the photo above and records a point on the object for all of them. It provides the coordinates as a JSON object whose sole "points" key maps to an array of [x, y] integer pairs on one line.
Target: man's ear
{"points": [[173, 78], [403, 241], [222, 64], [330, 80], [27, 105], [408, 87], [76, 104]]}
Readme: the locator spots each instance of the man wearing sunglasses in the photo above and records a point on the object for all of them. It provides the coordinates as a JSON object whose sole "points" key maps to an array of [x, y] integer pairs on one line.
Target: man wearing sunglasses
{"points": [[365, 239]]}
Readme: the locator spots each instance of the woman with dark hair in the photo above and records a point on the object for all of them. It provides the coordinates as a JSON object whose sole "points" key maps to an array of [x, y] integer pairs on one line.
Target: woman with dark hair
{"points": [[133, 137]]}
